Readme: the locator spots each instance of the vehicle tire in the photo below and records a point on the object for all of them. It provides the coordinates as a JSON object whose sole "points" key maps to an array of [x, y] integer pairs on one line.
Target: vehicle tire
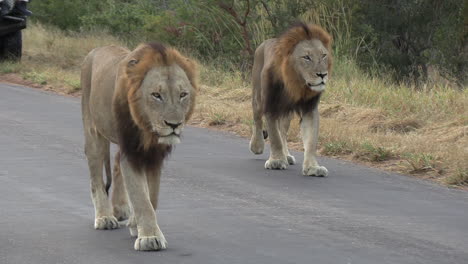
{"points": [[11, 46]]}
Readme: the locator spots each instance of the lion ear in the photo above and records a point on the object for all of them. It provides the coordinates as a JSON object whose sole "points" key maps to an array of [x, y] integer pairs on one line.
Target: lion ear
{"points": [[133, 62]]}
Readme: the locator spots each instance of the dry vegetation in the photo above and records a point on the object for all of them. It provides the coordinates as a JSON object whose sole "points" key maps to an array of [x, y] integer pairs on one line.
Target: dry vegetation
{"points": [[421, 131], [52, 58]]}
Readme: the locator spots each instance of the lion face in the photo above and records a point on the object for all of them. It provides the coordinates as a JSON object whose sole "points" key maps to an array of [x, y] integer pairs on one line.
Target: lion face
{"points": [[310, 60], [166, 98]]}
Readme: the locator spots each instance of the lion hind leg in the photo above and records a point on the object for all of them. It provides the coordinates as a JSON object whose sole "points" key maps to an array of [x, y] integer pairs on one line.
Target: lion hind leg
{"points": [[97, 151], [119, 200], [257, 142], [278, 159], [285, 123]]}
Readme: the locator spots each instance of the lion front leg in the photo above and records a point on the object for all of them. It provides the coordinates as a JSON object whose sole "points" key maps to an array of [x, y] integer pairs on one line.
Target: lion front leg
{"points": [[150, 236], [278, 159], [310, 132]]}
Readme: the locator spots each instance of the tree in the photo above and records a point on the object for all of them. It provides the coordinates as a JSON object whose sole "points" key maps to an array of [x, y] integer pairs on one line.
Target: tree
{"points": [[410, 35]]}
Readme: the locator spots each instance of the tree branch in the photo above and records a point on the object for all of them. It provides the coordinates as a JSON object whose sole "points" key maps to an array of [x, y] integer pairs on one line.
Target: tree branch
{"points": [[243, 23], [272, 19]]}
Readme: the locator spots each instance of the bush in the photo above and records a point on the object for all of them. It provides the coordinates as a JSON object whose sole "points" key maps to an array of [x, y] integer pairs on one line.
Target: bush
{"points": [[121, 18], [409, 36], [64, 14], [199, 26]]}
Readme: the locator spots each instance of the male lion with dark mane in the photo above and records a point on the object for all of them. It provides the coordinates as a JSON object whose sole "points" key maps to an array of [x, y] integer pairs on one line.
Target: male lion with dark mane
{"points": [[289, 75], [140, 100]]}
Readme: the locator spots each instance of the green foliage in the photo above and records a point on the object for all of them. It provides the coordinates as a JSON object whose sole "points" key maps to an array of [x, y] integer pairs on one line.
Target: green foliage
{"points": [[404, 38], [199, 26], [64, 14], [408, 36], [122, 18]]}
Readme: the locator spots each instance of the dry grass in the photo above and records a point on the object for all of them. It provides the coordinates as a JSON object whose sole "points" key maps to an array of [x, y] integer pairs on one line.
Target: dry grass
{"points": [[422, 131], [52, 57]]}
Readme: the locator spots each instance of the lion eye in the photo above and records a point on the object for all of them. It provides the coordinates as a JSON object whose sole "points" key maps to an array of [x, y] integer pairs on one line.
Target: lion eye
{"points": [[157, 96], [307, 58], [183, 94]]}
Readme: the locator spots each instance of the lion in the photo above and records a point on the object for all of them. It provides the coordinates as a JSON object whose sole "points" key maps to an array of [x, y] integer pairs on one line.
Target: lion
{"points": [[288, 76], [139, 100]]}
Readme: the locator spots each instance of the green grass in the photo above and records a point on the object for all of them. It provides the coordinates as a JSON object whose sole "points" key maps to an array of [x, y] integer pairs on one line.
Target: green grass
{"points": [[217, 119], [420, 162], [373, 153], [36, 77], [74, 84], [337, 148], [459, 178], [9, 67]]}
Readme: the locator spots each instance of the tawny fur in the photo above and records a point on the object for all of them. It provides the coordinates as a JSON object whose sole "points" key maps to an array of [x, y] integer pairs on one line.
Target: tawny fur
{"points": [[289, 75]]}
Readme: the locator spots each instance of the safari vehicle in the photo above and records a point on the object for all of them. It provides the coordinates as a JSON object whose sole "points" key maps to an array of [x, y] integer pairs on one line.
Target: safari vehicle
{"points": [[13, 14]]}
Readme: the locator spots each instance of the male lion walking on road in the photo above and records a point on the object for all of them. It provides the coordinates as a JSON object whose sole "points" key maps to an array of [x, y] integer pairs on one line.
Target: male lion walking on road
{"points": [[141, 101], [289, 75]]}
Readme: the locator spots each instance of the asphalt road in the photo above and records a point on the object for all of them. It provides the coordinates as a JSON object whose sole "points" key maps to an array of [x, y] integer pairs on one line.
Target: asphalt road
{"points": [[217, 203]]}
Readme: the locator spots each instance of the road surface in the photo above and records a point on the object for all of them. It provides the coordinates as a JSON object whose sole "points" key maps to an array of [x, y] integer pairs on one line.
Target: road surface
{"points": [[217, 203]]}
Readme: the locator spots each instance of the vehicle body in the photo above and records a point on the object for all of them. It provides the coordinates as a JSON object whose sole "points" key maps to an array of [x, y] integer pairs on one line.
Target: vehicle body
{"points": [[13, 15]]}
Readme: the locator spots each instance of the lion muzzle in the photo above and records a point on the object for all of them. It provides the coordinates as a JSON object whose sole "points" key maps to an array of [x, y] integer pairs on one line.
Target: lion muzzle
{"points": [[316, 87], [171, 139]]}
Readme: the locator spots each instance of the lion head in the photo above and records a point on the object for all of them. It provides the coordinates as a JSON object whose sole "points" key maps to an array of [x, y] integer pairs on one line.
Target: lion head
{"points": [[303, 60], [160, 86]]}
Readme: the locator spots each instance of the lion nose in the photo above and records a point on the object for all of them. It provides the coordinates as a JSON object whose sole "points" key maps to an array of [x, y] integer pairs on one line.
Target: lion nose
{"points": [[322, 75], [174, 126]]}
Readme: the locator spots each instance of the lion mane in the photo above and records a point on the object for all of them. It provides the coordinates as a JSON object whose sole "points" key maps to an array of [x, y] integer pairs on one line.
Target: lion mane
{"points": [[287, 91], [136, 140]]}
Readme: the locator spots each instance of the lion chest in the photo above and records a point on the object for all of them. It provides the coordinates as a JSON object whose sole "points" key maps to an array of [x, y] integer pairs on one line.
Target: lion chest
{"points": [[277, 102]]}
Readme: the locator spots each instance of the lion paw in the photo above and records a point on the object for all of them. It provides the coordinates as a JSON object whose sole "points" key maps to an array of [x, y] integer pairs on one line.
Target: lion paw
{"points": [[291, 159], [106, 222], [257, 146], [275, 164], [151, 243], [121, 212], [318, 171]]}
